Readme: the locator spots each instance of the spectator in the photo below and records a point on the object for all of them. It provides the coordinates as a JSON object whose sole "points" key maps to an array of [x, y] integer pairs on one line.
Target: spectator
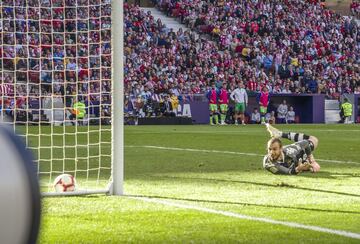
{"points": [[357, 90], [281, 112], [283, 71], [128, 111], [286, 90], [255, 117], [267, 117], [174, 102], [290, 116], [105, 111], [149, 108], [167, 109], [313, 85], [272, 118], [139, 107], [346, 111], [355, 8]]}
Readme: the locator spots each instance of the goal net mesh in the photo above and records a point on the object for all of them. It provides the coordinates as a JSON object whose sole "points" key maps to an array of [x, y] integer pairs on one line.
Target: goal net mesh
{"points": [[55, 86]]}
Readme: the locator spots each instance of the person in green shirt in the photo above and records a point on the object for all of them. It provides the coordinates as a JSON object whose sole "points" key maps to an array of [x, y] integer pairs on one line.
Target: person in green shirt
{"points": [[78, 112], [346, 111]]}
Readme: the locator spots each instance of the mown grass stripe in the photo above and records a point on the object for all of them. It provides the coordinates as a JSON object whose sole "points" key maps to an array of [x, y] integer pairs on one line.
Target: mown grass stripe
{"points": [[252, 218], [229, 152]]}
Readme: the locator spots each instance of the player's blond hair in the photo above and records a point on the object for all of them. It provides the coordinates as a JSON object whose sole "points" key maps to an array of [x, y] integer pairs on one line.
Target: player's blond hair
{"points": [[272, 141]]}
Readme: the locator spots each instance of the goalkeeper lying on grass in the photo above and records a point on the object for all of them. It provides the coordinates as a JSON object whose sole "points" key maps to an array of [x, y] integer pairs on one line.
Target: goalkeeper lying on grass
{"points": [[291, 159]]}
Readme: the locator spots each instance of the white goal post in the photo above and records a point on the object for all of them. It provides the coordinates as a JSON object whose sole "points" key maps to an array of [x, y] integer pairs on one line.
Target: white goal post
{"points": [[61, 88], [118, 95]]}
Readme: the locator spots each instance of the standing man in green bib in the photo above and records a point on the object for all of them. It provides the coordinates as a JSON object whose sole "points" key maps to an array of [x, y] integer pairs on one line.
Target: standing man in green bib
{"points": [[239, 95], [78, 112], [346, 108]]}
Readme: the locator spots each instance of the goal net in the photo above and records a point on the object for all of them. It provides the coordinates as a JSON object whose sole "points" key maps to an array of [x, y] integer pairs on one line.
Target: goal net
{"points": [[56, 89]]}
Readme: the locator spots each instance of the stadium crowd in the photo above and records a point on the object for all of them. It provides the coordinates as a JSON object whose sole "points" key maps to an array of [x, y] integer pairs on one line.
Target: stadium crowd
{"points": [[355, 8], [292, 46], [55, 49], [289, 46]]}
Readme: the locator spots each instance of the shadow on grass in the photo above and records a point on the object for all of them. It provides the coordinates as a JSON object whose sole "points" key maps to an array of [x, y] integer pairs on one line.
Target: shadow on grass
{"points": [[245, 204], [281, 184]]}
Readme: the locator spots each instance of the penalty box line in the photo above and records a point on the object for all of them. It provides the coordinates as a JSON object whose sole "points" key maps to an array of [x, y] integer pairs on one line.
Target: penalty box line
{"points": [[250, 218], [230, 152]]}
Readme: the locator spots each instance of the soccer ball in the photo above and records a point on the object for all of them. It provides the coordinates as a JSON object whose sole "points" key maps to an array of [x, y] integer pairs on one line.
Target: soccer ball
{"points": [[65, 183]]}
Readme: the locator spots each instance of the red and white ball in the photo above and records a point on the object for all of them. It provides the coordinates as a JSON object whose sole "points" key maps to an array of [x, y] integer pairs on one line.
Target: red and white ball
{"points": [[65, 183]]}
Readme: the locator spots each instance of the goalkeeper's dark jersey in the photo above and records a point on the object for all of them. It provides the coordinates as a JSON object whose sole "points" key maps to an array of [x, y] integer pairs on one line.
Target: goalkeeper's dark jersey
{"points": [[292, 155]]}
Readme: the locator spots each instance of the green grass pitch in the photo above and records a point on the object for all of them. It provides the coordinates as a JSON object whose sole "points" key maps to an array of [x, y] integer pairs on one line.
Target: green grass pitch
{"points": [[214, 174]]}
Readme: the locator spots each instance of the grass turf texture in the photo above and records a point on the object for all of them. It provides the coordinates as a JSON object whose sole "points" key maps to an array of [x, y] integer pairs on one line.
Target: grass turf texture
{"points": [[84, 152], [235, 183]]}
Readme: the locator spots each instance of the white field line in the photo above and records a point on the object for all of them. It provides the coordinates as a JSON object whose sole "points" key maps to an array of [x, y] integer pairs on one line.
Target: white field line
{"points": [[229, 152], [226, 132], [252, 218], [196, 150]]}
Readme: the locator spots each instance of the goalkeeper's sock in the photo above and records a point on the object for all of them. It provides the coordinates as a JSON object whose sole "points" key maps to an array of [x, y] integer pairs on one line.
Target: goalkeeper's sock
{"points": [[211, 120], [294, 136]]}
